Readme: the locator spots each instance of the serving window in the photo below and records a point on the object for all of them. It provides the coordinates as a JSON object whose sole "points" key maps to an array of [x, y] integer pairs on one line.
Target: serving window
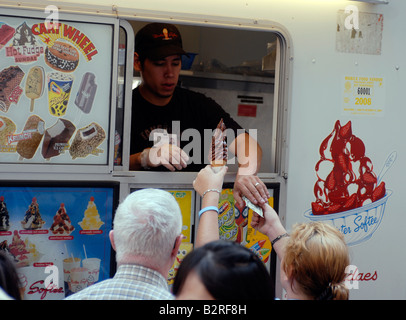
{"points": [[239, 69]]}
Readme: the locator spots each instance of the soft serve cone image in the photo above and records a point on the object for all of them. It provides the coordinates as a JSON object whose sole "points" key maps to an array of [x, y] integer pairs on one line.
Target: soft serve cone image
{"points": [[218, 148], [34, 85]]}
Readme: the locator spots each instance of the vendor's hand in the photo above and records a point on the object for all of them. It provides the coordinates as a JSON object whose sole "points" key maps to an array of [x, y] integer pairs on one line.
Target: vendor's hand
{"points": [[168, 155], [208, 179], [252, 187]]}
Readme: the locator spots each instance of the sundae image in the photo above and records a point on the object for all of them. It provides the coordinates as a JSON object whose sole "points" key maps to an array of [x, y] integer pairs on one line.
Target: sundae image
{"points": [[23, 252], [18, 250], [23, 36], [62, 223], [348, 193], [32, 218], [33, 254], [91, 220], [218, 149], [351, 182]]}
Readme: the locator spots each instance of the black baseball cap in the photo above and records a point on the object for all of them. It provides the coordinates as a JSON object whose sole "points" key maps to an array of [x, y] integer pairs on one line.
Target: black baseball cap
{"points": [[156, 41]]}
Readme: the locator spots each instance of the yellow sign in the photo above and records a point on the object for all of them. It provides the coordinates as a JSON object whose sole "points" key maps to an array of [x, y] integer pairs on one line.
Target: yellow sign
{"points": [[184, 199], [363, 96]]}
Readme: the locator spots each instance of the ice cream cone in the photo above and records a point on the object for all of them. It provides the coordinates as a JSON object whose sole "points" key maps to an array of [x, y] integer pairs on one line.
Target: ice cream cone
{"points": [[218, 149]]}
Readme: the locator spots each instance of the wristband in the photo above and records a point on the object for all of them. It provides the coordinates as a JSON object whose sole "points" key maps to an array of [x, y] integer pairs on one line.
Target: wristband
{"points": [[209, 190], [278, 238], [208, 209]]}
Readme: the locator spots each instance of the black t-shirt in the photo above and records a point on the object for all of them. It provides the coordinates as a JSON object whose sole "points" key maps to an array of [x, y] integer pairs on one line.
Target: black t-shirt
{"points": [[186, 110]]}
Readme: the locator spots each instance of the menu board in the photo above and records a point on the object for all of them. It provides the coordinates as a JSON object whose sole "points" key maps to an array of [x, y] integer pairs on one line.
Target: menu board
{"points": [[55, 90], [58, 237]]}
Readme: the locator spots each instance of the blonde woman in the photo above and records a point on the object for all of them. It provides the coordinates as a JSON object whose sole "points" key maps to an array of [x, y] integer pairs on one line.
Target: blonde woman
{"points": [[313, 258]]}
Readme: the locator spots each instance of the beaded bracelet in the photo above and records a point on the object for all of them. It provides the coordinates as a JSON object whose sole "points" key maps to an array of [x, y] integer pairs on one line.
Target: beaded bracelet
{"points": [[208, 209], [209, 190]]}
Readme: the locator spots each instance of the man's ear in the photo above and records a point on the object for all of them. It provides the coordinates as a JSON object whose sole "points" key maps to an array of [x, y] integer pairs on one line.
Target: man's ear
{"points": [[137, 62], [176, 246], [111, 237]]}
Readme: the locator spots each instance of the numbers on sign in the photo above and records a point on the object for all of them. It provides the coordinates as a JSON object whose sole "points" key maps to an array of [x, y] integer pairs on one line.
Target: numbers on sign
{"points": [[363, 101]]}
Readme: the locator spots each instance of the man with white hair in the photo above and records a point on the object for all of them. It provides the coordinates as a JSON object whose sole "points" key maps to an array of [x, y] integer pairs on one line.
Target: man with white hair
{"points": [[146, 237]]}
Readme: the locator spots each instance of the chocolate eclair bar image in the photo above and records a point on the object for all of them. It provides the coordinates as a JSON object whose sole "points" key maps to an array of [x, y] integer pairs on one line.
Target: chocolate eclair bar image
{"points": [[56, 138], [86, 140], [31, 137]]}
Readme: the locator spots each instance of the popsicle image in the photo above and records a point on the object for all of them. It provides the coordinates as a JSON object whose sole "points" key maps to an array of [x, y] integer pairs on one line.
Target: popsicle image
{"points": [[218, 149], [32, 135], [34, 85], [87, 91]]}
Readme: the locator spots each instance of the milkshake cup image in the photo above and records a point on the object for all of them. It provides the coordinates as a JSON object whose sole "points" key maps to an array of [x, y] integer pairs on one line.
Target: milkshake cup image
{"points": [[68, 265], [78, 279], [93, 265], [59, 89]]}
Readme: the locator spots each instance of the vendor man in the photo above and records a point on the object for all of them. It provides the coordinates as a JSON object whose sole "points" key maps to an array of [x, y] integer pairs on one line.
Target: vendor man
{"points": [[162, 111]]}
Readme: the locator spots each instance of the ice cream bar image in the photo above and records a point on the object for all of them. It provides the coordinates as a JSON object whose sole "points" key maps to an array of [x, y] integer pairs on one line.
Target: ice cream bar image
{"points": [[87, 90], [7, 128], [86, 140], [34, 85], [6, 33], [32, 135], [56, 138]]}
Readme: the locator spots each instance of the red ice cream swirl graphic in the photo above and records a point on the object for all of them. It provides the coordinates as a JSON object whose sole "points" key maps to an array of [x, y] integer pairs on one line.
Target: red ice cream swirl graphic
{"points": [[346, 152]]}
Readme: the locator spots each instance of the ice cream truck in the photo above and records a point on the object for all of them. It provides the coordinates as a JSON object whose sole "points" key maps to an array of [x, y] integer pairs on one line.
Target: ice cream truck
{"points": [[317, 83]]}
